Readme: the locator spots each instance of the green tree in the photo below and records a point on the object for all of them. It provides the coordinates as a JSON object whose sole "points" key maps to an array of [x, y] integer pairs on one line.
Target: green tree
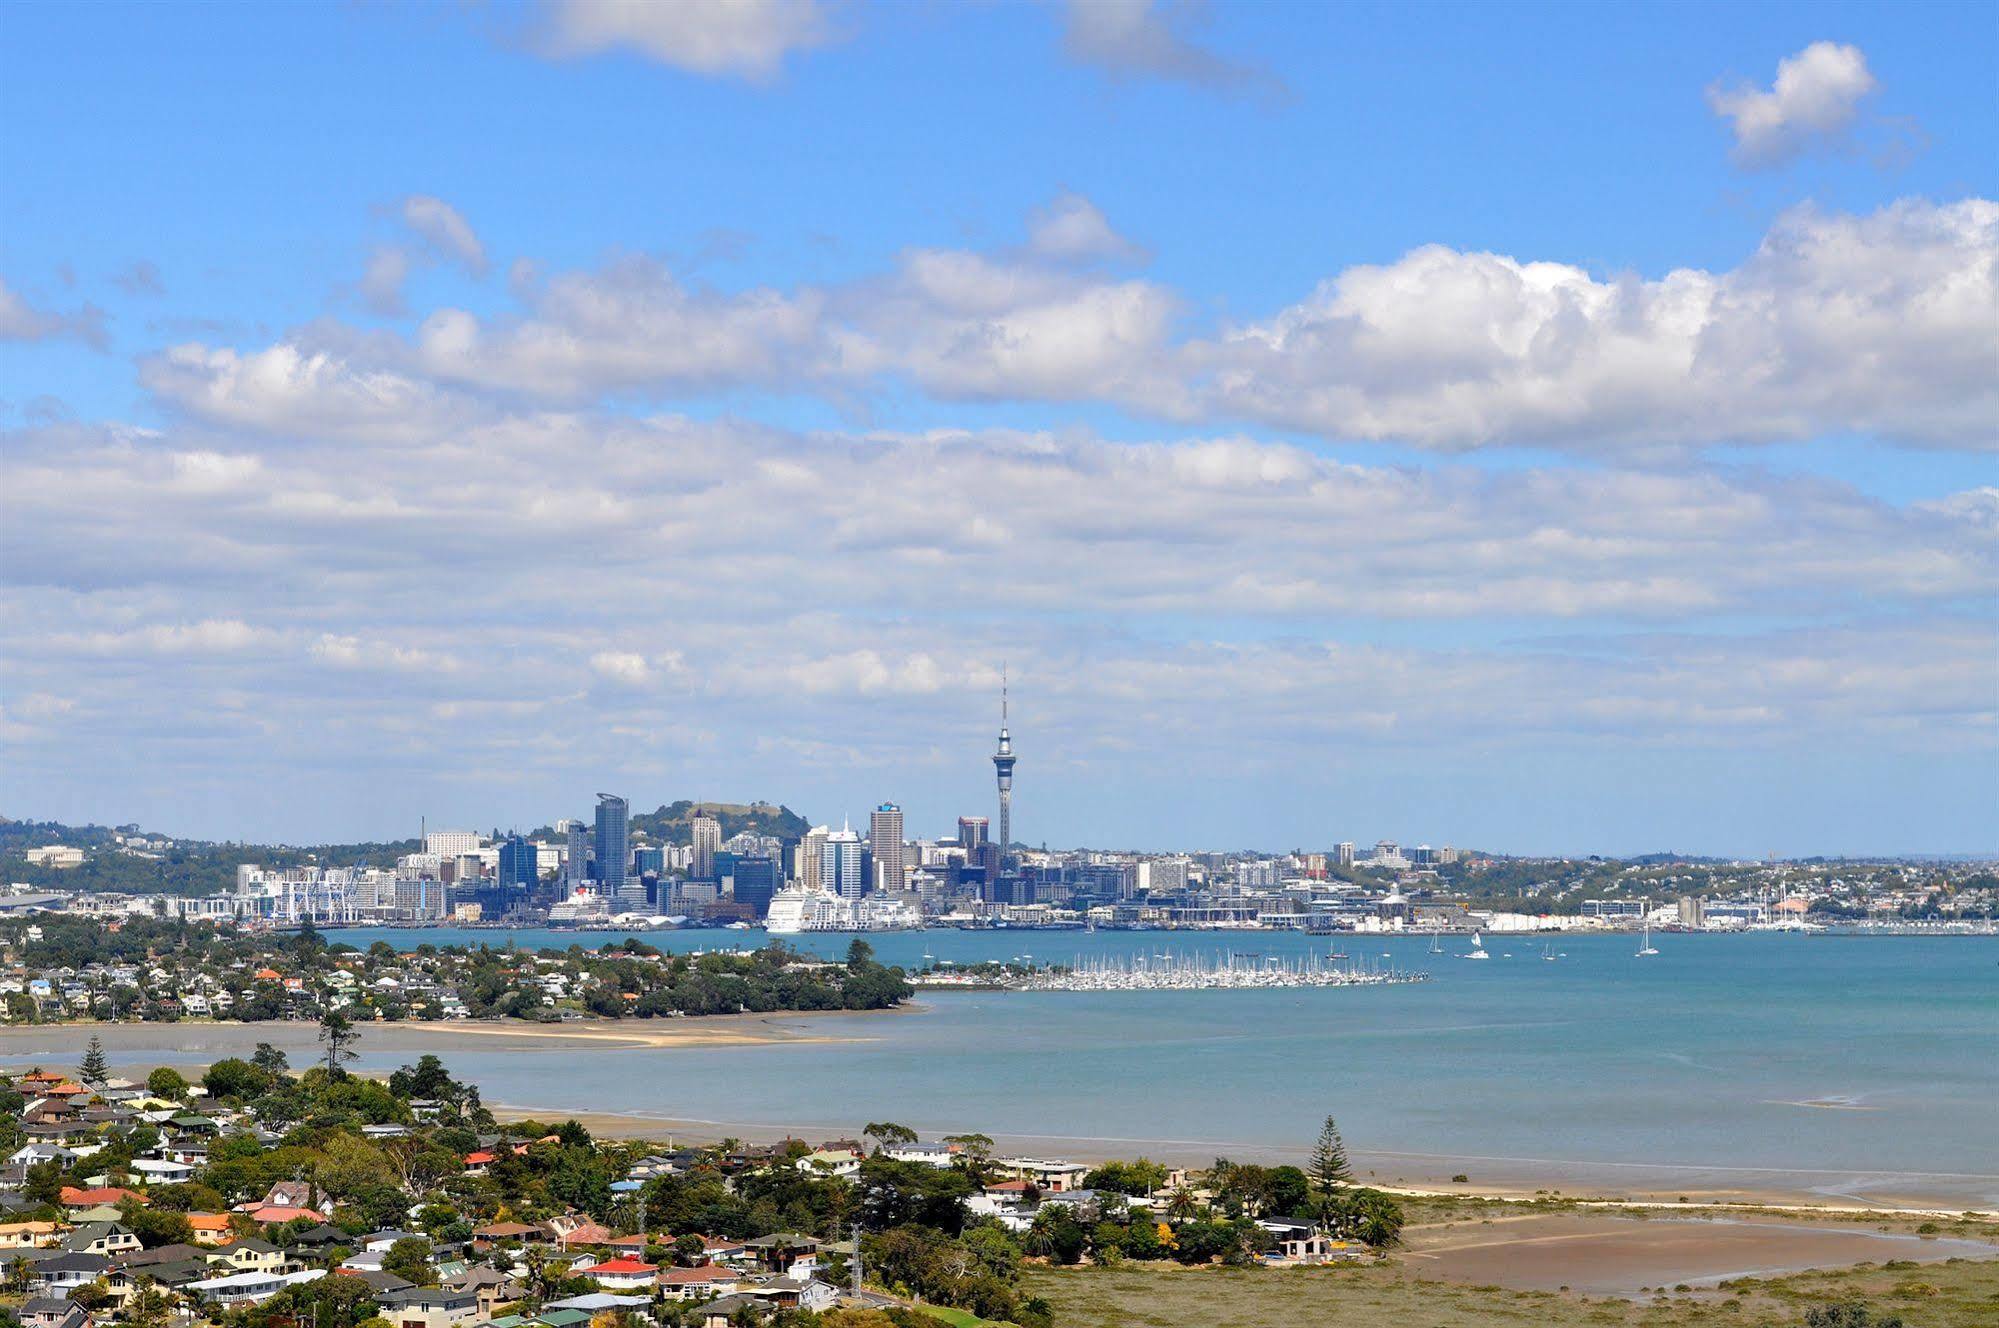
{"points": [[270, 1060], [409, 1259], [168, 1083], [859, 955], [95, 1070], [1329, 1166], [338, 1035], [885, 1133]]}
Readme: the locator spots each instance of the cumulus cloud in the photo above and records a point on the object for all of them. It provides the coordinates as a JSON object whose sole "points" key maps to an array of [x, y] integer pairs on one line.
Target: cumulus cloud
{"points": [[1144, 39], [285, 389], [1813, 103], [22, 321], [1880, 323], [741, 38]]}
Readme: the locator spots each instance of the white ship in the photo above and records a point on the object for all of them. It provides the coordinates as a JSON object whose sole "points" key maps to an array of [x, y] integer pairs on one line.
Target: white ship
{"points": [[795, 909]]}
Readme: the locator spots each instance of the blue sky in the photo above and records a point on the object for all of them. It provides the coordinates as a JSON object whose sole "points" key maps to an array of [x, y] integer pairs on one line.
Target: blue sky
{"points": [[1342, 418]]}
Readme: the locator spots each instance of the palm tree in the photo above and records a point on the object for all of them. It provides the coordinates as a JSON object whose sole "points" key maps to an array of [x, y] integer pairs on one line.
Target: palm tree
{"points": [[1181, 1204]]}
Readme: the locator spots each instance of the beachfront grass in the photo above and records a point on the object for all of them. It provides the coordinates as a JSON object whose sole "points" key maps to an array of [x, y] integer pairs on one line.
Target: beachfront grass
{"points": [[1957, 1294]]}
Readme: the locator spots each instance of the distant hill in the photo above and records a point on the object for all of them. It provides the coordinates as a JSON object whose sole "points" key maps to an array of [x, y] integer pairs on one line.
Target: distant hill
{"points": [[672, 824]]}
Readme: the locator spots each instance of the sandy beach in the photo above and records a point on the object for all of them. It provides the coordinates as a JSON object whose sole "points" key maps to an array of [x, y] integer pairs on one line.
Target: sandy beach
{"points": [[176, 1043]]}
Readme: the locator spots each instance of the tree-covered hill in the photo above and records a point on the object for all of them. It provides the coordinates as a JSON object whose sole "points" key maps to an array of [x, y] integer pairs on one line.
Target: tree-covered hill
{"points": [[670, 824]]}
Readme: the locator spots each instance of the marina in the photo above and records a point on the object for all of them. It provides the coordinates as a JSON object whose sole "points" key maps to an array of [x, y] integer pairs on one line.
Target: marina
{"points": [[1227, 971]]}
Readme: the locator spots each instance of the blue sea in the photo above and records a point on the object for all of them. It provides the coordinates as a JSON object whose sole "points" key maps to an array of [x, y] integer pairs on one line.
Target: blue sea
{"points": [[1830, 1066], [1810, 1067]]}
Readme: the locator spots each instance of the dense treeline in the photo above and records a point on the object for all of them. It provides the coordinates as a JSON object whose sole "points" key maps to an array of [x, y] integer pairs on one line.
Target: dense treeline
{"points": [[627, 980]]}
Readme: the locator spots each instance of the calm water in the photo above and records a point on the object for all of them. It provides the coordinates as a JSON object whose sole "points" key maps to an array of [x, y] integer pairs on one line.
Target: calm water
{"points": [[1804, 1064]]}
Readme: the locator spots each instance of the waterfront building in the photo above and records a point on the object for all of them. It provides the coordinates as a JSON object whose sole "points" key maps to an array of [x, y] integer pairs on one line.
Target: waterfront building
{"points": [[885, 841], [757, 881], [811, 854], [576, 852], [613, 844], [707, 833], [840, 865], [520, 869]]}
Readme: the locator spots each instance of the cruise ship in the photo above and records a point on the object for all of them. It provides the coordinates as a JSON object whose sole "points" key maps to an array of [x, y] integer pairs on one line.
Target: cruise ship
{"points": [[795, 909]]}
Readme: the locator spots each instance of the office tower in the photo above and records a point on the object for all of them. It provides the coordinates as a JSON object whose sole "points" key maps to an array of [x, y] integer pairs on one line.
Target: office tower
{"points": [[811, 852], [576, 852], [520, 868], [971, 834], [1003, 768], [1343, 855], [450, 843], [885, 841], [840, 864], [614, 816], [757, 879], [651, 859], [707, 833]]}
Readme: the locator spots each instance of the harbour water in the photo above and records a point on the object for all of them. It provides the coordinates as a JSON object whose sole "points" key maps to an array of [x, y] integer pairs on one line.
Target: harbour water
{"points": [[1786, 1064]]}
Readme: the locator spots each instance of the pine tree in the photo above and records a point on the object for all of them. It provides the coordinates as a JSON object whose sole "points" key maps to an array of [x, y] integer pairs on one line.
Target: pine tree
{"points": [[1329, 1168], [95, 1070]]}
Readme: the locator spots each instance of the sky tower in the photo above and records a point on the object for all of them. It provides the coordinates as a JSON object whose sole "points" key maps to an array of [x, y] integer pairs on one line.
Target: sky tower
{"points": [[1003, 767]]}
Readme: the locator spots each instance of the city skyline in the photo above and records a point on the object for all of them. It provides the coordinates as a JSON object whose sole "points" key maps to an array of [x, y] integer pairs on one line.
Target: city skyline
{"points": [[1552, 437]]}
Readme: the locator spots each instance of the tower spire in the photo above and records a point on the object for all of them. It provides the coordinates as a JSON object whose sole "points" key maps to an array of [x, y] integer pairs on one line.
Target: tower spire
{"points": [[1003, 760]]}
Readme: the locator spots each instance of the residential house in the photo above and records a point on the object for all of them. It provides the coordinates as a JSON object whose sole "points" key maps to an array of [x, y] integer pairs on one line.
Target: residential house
{"points": [[47, 1312], [428, 1307]]}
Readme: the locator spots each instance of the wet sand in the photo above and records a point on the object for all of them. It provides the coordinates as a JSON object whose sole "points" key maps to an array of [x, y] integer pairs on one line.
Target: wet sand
{"points": [[1603, 1254], [177, 1043]]}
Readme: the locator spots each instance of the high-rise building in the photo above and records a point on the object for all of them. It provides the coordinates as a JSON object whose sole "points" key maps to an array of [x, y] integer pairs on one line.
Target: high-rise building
{"points": [[614, 852], [1003, 768], [757, 879], [451, 843], [520, 869], [885, 841], [707, 832], [840, 864], [971, 834], [1343, 854], [811, 853], [576, 852]]}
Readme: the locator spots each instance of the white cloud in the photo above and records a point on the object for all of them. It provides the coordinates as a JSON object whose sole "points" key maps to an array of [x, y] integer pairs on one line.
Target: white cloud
{"points": [[285, 389], [742, 38], [1879, 324], [1813, 102], [1882, 323], [22, 321], [1140, 38], [210, 636], [622, 666], [1072, 227], [445, 230], [352, 652]]}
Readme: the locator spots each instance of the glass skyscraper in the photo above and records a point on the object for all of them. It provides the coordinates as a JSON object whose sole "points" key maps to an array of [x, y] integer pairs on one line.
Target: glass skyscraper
{"points": [[614, 852]]}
